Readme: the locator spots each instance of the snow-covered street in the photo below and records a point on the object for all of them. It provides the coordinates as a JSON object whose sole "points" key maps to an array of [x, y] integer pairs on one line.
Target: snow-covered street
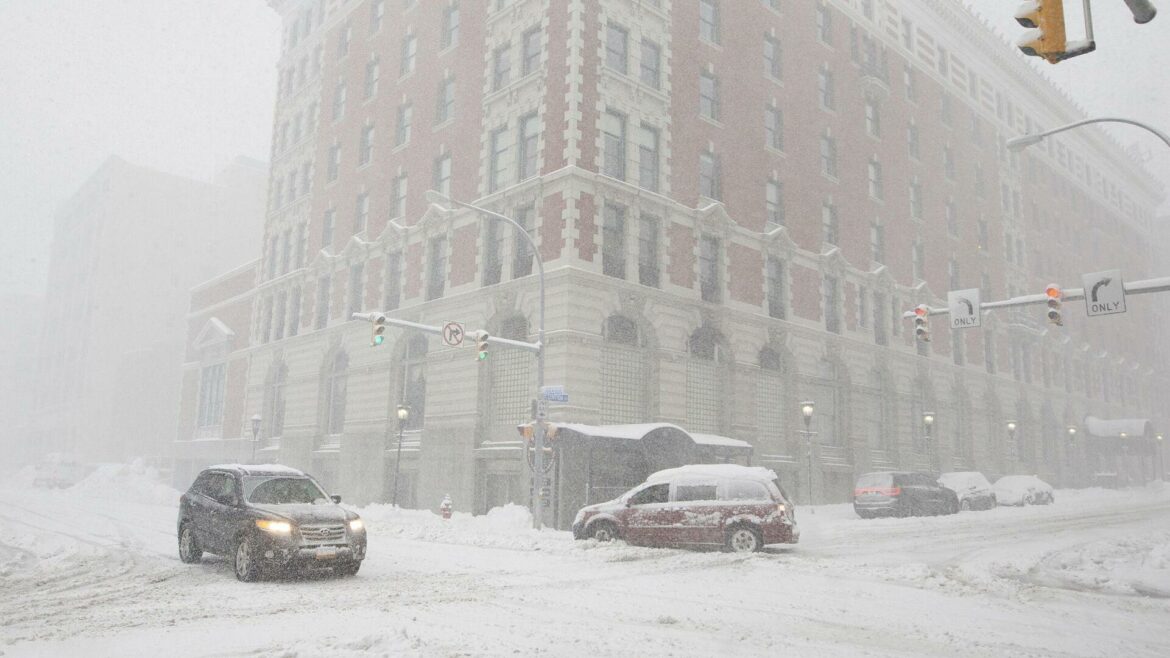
{"points": [[93, 570]]}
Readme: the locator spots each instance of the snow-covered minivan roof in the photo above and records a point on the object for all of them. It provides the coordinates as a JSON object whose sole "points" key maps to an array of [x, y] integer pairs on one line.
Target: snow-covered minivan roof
{"points": [[716, 470]]}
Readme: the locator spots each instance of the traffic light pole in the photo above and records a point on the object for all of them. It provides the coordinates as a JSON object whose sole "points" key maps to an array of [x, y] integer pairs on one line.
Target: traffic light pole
{"points": [[1161, 284]]}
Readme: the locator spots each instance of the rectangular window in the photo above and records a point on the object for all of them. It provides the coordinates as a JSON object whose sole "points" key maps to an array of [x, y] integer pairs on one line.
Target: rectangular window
{"points": [[773, 63], [334, 162], [527, 157], [356, 289], [445, 105], [405, 118], [877, 241], [648, 158], [392, 295], [398, 197], [708, 96], [773, 127], [826, 89], [875, 179], [710, 285], [531, 54], [499, 150], [774, 204], [829, 226], [710, 183], [824, 24], [613, 241], [617, 41], [709, 20], [648, 250], [873, 118], [912, 140], [880, 335], [492, 246], [829, 156], [294, 311], [910, 82], [361, 215], [501, 67], [613, 128], [343, 39], [339, 100], [984, 234], [324, 288], [916, 200], [437, 268], [522, 256], [862, 307], [832, 305], [450, 26], [777, 289], [952, 218], [327, 228], [948, 163], [367, 147], [372, 72], [409, 50], [650, 66], [211, 395], [441, 181], [918, 260]]}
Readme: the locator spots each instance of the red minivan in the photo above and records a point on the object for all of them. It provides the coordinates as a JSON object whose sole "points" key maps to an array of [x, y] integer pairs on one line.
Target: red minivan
{"points": [[740, 508]]}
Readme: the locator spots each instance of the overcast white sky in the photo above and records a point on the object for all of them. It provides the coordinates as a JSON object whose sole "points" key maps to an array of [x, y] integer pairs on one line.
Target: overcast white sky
{"points": [[186, 85]]}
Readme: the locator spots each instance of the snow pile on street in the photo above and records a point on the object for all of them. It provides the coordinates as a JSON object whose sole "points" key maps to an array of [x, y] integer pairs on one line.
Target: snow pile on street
{"points": [[132, 483], [509, 526], [1132, 565]]}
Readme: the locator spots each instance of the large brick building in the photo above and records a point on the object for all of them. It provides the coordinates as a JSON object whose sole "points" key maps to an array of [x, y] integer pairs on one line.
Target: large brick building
{"points": [[734, 203]]}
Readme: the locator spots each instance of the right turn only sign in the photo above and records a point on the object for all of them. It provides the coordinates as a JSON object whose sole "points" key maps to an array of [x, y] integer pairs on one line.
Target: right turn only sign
{"points": [[1104, 293]]}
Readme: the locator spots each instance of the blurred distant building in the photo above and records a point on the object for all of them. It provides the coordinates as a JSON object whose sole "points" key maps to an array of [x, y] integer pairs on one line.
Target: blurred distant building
{"points": [[19, 329], [127, 248], [734, 201]]}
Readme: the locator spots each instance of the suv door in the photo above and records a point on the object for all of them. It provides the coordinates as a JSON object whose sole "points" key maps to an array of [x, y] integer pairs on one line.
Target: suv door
{"points": [[648, 515], [199, 499]]}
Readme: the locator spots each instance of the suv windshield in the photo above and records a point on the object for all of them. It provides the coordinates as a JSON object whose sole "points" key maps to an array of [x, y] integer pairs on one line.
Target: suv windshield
{"points": [[283, 491]]}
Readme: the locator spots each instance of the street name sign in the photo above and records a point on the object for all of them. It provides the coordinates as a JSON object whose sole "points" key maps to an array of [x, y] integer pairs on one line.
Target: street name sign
{"points": [[1104, 293], [554, 394], [964, 308], [453, 334]]}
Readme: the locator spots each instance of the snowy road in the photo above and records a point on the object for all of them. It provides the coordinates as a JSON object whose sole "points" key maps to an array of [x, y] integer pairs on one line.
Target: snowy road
{"points": [[84, 573]]}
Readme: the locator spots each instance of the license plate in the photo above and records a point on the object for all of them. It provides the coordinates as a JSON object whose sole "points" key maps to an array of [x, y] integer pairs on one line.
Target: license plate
{"points": [[326, 553]]}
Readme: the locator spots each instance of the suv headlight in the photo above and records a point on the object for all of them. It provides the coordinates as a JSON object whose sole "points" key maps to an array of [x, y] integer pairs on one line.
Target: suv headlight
{"points": [[356, 525], [275, 527]]}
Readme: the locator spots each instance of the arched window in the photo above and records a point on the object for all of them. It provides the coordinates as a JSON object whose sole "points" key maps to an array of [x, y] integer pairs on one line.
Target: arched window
{"points": [[623, 373], [414, 381], [707, 377], [274, 404], [512, 376], [771, 404], [335, 384]]}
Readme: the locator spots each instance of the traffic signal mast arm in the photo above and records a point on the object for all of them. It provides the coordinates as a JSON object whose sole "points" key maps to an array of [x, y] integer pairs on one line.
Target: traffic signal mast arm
{"points": [[1161, 284], [431, 329]]}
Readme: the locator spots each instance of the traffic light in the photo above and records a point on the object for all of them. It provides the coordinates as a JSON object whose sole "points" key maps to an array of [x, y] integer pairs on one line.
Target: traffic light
{"points": [[1046, 38], [1055, 298], [481, 345], [378, 333], [921, 324]]}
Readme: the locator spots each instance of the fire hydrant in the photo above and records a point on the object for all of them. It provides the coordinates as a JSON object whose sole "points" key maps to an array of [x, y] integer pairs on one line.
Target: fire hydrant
{"points": [[445, 507]]}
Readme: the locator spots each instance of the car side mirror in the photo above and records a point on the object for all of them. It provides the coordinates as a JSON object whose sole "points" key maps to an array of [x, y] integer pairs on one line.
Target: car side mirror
{"points": [[336, 498], [629, 502]]}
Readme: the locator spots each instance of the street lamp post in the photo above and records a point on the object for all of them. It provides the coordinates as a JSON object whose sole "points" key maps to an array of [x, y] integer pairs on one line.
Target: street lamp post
{"points": [[1072, 437], [806, 409], [255, 434], [403, 415], [1161, 460], [1024, 141], [442, 200], [1011, 428], [927, 423]]}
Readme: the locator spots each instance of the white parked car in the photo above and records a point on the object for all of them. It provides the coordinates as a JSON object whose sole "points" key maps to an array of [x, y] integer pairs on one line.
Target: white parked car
{"points": [[973, 490], [1023, 490]]}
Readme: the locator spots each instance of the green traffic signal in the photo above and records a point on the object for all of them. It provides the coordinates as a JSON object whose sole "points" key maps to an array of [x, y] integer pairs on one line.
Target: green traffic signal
{"points": [[483, 355], [378, 340]]}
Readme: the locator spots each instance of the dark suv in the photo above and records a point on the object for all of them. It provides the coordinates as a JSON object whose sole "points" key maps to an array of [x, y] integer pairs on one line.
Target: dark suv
{"points": [[902, 493], [268, 518]]}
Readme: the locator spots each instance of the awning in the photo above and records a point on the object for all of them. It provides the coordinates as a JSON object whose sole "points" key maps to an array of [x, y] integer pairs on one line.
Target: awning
{"points": [[640, 431], [1114, 427]]}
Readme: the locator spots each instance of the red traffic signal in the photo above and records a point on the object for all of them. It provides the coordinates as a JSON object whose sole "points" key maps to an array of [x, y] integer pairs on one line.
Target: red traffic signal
{"points": [[1055, 301], [921, 324]]}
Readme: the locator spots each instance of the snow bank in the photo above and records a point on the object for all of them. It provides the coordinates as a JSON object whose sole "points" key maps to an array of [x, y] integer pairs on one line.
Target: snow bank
{"points": [[1130, 565], [133, 483], [509, 526]]}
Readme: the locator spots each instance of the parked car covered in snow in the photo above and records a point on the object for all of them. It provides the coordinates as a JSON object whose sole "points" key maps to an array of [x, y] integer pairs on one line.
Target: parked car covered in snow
{"points": [[740, 508], [59, 470], [1023, 490], [268, 518], [973, 490], [902, 493]]}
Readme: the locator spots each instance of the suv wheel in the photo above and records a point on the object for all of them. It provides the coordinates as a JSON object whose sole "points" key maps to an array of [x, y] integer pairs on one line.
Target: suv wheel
{"points": [[246, 565], [189, 551], [744, 539], [603, 531], [350, 569]]}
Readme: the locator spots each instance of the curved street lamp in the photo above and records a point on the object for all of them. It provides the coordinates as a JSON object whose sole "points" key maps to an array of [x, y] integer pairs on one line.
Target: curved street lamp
{"points": [[1024, 141], [403, 416]]}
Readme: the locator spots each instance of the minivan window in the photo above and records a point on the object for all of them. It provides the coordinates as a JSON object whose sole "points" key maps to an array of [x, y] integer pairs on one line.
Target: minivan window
{"points": [[746, 490], [657, 493], [688, 492], [875, 480]]}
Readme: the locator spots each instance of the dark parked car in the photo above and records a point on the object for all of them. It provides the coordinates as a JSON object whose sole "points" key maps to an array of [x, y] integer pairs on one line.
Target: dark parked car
{"points": [[740, 508], [973, 490], [268, 518], [902, 493]]}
